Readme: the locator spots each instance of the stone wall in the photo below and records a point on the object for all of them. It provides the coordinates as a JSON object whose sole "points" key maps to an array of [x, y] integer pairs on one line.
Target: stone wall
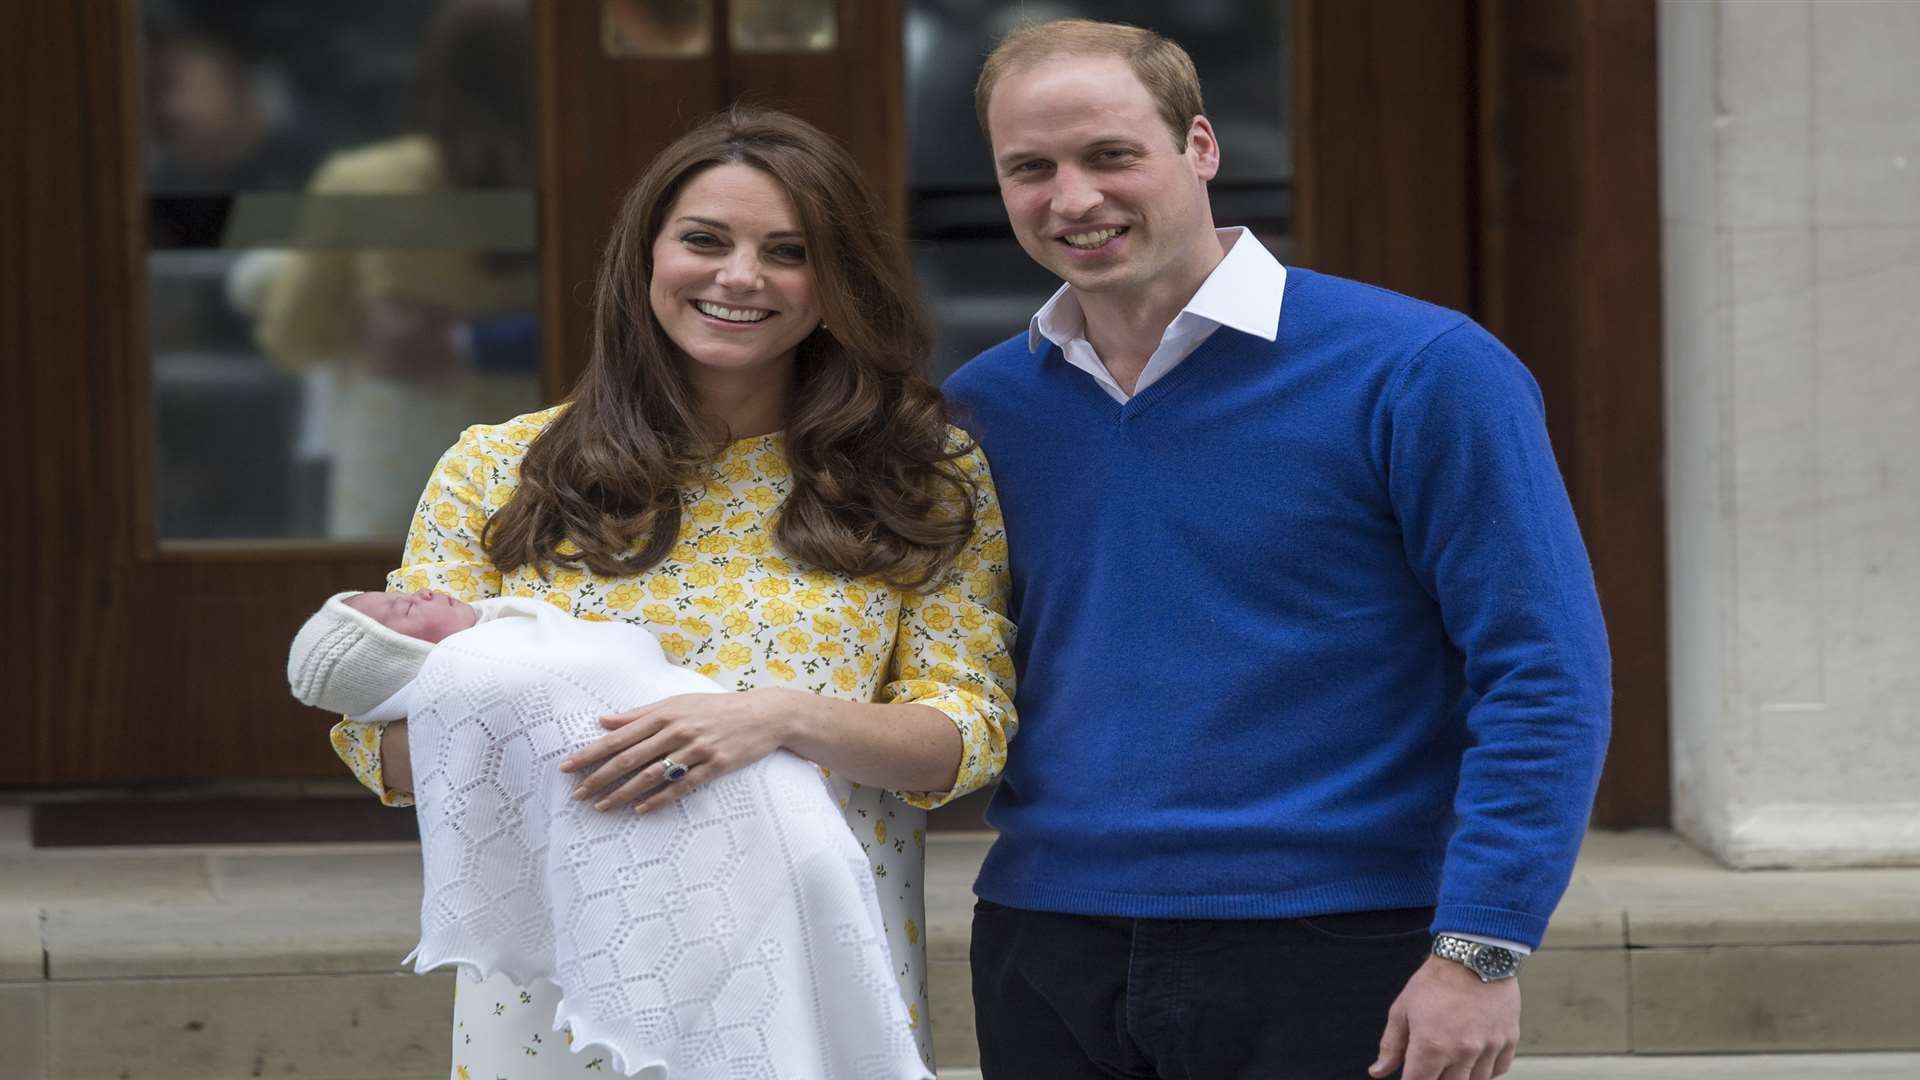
{"points": [[1790, 144]]}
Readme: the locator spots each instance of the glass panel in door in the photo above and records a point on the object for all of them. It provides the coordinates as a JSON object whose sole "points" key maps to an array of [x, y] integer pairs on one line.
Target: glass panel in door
{"points": [[342, 264]]}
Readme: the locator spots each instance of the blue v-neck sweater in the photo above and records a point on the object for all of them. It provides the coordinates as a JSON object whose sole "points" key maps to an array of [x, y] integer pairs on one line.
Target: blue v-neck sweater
{"points": [[1305, 627]]}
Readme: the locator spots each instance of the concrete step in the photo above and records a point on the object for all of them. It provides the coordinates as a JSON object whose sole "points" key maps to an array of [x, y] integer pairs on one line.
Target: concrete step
{"points": [[1722, 1067], [165, 963], [1719, 1067], [1735, 1067]]}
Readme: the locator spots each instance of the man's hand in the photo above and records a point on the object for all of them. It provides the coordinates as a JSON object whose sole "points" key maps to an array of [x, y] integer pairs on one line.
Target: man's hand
{"points": [[1448, 1025]]}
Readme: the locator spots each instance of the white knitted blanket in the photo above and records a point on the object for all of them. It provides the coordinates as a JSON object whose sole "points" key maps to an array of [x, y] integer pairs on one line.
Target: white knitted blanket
{"points": [[734, 933]]}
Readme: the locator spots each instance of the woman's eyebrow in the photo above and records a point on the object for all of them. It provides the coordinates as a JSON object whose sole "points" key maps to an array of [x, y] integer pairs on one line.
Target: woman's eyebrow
{"points": [[721, 226]]}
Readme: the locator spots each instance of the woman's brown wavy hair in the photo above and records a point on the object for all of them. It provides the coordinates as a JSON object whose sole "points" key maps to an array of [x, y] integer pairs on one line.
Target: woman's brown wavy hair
{"points": [[877, 489]]}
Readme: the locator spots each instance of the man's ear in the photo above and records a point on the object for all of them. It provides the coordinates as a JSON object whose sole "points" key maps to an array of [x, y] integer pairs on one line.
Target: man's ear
{"points": [[1203, 148]]}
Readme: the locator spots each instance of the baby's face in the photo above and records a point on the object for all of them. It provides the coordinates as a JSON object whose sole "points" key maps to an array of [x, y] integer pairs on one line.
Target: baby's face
{"points": [[427, 615]]}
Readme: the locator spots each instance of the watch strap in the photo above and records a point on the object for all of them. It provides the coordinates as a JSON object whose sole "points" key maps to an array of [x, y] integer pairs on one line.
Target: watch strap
{"points": [[1471, 954]]}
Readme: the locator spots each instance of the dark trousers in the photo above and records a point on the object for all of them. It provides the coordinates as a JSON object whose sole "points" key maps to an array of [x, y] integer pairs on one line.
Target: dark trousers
{"points": [[1061, 997]]}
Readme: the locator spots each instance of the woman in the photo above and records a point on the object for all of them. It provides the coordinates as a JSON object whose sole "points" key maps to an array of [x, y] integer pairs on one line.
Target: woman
{"points": [[753, 468]]}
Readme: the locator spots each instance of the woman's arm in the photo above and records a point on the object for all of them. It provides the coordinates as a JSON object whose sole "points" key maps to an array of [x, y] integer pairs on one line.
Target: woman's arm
{"points": [[359, 746], [443, 552], [396, 762], [953, 651], [915, 747], [905, 747]]}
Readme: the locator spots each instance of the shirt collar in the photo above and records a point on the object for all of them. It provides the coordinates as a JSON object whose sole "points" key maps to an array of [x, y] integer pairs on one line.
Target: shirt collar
{"points": [[1243, 292]]}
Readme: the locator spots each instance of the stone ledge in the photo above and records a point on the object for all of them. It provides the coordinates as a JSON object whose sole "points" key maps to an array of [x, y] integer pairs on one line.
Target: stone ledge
{"points": [[1585, 919], [1671, 894], [228, 939], [1736, 1067], [953, 861], [380, 874], [320, 1027], [1577, 1001], [23, 1027], [118, 878], [22, 956], [1772, 998], [278, 910], [1655, 949]]}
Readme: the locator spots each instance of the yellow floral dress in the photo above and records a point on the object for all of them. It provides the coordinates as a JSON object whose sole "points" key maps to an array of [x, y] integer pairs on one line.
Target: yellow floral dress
{"points": [[725, 603]]}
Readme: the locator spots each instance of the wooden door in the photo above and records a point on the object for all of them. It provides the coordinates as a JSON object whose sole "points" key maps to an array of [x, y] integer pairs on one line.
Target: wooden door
{"points": [[1499, 157], [1427, 135], [1569, 253], [140, 659]]}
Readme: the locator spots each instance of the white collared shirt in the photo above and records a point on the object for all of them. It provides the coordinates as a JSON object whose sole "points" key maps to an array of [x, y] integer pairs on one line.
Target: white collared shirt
{"points": [[1243, 292]]}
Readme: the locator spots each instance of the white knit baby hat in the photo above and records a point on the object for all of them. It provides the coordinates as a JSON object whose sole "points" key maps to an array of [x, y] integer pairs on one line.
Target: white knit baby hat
{"points": [[345, 662]]}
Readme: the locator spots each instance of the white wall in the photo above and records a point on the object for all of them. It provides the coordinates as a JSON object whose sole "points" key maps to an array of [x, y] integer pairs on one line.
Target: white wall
{"points": [[1790, 188]]}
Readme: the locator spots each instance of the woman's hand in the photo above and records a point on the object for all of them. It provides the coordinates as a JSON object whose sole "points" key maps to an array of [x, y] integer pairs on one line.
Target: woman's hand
{"points": [[710, 734]]}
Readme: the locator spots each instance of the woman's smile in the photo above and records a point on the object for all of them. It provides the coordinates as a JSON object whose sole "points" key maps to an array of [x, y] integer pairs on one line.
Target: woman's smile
{"points": [[731, 316]]}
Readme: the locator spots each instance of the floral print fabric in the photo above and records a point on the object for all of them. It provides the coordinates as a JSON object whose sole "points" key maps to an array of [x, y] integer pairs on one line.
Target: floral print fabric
{"points": [[725, 603]]}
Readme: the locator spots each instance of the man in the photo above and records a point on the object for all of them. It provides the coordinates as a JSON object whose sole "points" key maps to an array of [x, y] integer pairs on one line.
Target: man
{"points": [[1314, 685]]}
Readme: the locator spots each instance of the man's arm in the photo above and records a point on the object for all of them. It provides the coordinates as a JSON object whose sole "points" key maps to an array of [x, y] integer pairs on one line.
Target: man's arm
{"points": [[1490, 534]]}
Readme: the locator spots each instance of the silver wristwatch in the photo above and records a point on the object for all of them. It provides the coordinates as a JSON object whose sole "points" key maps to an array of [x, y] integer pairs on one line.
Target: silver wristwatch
{"points": [[1490, 962]]}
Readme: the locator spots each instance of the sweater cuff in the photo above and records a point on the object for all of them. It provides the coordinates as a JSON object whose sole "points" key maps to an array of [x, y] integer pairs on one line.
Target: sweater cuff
{"points": [[1493, 922]]}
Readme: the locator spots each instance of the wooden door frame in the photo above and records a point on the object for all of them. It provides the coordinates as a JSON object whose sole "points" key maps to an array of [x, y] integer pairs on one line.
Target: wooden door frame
{"points": [[66, 244], [1500, 157]]}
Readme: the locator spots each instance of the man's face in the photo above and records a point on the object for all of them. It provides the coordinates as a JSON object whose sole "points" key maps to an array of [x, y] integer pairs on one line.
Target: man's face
{"points": [[427, 615], [1095, 188]]}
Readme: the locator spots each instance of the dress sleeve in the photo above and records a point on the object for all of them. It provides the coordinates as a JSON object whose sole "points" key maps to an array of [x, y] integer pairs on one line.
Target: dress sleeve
{"points": [[443, 552], [953, 648]]}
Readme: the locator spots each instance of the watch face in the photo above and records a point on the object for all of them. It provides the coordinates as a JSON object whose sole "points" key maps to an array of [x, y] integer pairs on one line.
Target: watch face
{"points": [[1495, 962]]}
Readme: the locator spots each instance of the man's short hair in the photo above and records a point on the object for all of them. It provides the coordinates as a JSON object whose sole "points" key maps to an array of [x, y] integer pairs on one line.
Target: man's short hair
{"points": [[1161, 65]]}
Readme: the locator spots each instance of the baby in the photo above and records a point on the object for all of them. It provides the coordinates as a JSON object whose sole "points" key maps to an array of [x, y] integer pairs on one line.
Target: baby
{"points": [[353, 665], [734, 931], [427, 615]]}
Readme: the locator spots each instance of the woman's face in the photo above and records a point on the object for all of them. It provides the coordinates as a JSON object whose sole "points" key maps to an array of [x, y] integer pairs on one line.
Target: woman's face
{"points": [[731, 283]]}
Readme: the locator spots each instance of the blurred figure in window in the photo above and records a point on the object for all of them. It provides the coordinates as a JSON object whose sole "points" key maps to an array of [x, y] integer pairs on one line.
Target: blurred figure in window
{"points": [[218, 111], [419, 340]]}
